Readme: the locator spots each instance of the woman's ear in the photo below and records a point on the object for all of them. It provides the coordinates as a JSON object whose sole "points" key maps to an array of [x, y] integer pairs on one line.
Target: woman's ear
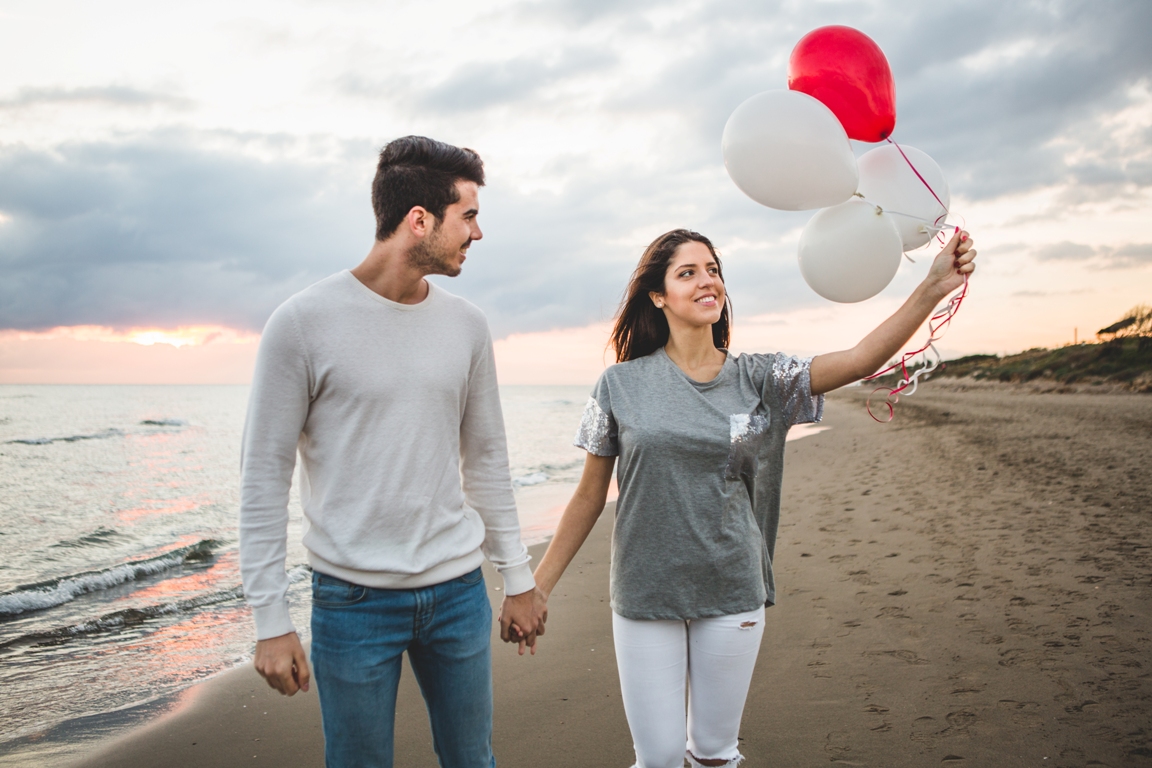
{"points": [[657, 299]]}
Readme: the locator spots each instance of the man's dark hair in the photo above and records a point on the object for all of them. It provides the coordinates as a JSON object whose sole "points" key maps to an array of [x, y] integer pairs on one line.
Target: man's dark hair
{"points": [[416, 170]]}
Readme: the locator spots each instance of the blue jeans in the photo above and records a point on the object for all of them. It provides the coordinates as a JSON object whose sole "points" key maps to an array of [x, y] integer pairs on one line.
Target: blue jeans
{"points": [[359, 635]]}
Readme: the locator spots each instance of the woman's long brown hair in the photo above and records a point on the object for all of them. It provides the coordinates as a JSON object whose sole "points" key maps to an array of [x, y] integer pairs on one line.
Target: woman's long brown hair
{"points": [[641, 328]]}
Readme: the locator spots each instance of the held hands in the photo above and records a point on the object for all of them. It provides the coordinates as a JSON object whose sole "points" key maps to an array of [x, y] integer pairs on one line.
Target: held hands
{"points": [[522, 618], [951, 264], [281, 662]]}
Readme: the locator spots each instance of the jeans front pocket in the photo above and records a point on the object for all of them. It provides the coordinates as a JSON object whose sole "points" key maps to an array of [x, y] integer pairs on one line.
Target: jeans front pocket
{"points": [[472, 577], [331, 592]]}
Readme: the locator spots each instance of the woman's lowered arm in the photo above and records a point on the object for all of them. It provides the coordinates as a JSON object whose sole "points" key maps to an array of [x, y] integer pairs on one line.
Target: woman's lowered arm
{"points": [[579, 518]]}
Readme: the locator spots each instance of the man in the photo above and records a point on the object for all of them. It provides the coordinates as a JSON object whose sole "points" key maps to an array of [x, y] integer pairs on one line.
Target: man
{"points": [[386, 385]]}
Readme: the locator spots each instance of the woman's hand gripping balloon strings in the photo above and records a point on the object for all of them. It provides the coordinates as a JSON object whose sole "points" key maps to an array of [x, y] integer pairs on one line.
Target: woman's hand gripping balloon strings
{"points": [[949, 272]]}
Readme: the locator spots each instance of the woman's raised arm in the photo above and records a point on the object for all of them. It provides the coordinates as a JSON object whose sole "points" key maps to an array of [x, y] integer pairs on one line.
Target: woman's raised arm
{"points": [[836, 369]]}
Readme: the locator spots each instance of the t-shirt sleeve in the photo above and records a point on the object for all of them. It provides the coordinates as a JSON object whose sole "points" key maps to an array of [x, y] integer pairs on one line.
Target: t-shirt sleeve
{"points": [[791, 378], [597, 433]]}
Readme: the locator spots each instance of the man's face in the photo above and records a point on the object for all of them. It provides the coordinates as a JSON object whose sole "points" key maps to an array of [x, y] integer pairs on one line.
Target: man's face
{"points": [[443, 250]]}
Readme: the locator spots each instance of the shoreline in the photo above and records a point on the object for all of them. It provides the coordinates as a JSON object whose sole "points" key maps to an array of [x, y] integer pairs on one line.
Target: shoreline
{"points": [[966, 585]]}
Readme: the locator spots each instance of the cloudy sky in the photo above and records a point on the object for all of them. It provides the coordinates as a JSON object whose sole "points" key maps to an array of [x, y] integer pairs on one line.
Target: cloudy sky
{"points": [[172, 172]]}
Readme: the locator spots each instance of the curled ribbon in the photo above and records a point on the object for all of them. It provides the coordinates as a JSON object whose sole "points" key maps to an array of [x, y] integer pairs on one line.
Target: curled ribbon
{"points": [[937, 325]]}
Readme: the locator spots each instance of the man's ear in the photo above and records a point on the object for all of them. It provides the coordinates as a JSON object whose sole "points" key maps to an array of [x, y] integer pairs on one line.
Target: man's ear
{"points": [[419, 221]]}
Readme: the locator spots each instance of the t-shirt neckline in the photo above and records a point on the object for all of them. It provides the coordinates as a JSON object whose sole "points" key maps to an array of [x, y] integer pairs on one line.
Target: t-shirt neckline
{"points": [[716, 381]]}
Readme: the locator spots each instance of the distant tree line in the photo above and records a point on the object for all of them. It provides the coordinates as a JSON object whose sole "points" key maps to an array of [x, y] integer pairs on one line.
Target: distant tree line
{"points": [[1137, 322]]}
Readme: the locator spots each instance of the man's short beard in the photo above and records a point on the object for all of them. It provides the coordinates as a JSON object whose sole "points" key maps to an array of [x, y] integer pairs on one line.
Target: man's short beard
{"points": [[429, 257]]}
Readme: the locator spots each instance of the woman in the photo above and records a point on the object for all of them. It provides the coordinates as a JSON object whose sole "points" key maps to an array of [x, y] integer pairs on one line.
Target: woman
{"points": [[700, 437]]}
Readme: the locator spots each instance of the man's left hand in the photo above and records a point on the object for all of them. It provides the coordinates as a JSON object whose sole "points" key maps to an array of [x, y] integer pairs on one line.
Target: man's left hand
{"points": [[522, 619]]}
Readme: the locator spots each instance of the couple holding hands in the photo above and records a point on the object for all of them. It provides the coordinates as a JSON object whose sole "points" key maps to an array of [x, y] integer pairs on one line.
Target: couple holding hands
{"points": [[385, 385]]}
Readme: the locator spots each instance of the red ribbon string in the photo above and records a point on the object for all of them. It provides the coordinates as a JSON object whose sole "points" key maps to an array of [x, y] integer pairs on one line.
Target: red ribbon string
{"points": [[937, 325], [922, 179]]}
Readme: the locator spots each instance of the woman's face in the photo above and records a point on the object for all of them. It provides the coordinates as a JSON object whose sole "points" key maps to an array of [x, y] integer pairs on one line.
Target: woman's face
{"points": [[693, 291]]}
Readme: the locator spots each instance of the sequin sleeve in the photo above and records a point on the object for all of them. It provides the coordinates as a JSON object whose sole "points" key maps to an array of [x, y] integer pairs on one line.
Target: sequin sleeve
{"points": [[597, 432], [791, 378]]}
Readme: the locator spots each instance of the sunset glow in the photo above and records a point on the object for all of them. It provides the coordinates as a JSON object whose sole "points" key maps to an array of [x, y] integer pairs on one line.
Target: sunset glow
{"points": [[93, 354], [186, 336]]}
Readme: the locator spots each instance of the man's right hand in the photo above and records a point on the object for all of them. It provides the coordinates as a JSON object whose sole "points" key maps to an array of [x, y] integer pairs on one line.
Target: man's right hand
{"points": [[281, 661]]}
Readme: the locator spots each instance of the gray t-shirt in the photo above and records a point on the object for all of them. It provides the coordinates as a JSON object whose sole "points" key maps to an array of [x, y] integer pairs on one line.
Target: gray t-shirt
{"points": [[699, 474]]}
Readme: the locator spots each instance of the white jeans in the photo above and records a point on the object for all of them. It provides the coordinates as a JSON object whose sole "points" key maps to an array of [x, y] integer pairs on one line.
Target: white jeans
{"points": [[713, 658]]}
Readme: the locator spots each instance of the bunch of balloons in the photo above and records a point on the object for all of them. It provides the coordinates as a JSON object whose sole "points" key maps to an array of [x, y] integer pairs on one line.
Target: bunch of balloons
{"points": [[788, 149]]}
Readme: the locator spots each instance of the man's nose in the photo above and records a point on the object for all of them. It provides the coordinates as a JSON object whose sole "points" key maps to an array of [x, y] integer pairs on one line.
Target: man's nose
{"points": [[476, 233]]}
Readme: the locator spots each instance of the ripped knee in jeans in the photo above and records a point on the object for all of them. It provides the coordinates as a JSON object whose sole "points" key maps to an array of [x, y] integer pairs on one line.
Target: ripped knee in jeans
{"points": [[710, 762]]}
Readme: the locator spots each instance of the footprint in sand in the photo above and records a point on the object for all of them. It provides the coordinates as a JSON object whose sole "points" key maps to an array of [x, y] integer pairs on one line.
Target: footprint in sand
{"points": [[907, 656], [925, 729], [961, 720], [1024, 713], [839, 745]]}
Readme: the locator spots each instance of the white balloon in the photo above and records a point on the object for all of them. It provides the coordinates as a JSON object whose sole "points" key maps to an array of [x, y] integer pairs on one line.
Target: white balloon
{"points": [[786, 150], [849, 252], [887, 180]]}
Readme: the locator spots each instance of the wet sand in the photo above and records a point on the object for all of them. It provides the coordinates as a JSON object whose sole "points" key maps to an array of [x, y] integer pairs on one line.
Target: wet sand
{"points": [[969, 585]]}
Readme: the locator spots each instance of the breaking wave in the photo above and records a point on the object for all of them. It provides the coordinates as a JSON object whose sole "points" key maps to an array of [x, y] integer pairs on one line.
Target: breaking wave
{"points": [[112, 432], [102, 435], [49, 594], [131, 617]]}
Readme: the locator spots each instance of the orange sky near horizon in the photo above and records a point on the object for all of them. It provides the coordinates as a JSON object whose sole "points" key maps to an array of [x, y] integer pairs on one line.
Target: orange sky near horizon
{"points": [[218, 355]]}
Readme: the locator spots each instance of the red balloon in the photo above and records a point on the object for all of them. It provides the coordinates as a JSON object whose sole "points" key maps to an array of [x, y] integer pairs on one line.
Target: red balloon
{"points": [[845, 69]]}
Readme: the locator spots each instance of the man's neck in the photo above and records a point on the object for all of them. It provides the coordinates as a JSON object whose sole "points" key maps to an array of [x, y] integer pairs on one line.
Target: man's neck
{"points": [[386, 270]]}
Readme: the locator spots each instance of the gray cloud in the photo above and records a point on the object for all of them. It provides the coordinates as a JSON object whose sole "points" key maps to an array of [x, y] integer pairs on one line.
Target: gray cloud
{"points": [[989, 89], [158, 230], [1133, 255], [1065, 251], [107, 96], [482, 85]]}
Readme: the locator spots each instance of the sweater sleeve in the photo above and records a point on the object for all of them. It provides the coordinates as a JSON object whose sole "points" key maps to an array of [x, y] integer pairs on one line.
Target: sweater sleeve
{"points": [[486, 478], [277, 410]]}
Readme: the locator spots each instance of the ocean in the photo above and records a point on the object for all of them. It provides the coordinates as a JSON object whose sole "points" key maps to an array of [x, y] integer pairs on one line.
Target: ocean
{"points": [[119, 573]]}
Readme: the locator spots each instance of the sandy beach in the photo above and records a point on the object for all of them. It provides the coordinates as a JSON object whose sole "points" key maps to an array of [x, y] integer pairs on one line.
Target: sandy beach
{"points": [[969, 585]]}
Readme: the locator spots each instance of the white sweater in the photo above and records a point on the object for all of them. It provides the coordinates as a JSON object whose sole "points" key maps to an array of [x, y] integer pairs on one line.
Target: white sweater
{"points": [[395, 412]]}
